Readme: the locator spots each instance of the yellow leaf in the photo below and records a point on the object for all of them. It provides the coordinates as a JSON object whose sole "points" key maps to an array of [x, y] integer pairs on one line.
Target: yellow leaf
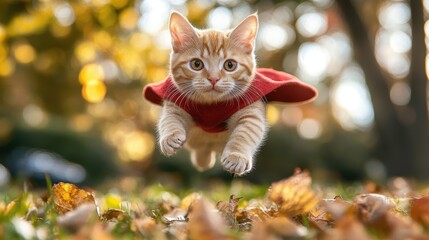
{"points": [[188, 200], [113, 201], [294, 195], [68, 197]]}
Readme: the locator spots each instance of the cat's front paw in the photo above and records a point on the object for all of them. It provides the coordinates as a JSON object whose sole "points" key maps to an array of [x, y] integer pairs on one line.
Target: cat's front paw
{"points": [[236, 163], [172, 143]]}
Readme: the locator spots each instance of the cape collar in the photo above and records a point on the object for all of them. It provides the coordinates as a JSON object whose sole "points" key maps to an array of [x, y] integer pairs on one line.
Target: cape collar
{"points": [[268, 84]]}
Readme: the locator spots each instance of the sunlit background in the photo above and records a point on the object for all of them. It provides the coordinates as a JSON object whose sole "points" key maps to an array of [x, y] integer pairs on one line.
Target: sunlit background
{"points": [[72, 73]]}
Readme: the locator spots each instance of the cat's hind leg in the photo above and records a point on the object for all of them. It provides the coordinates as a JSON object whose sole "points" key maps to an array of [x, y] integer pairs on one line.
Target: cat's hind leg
{"points": [[203, 159]]}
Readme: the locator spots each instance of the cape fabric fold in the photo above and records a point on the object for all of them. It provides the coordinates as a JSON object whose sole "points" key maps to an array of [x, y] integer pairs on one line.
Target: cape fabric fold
{"points": [[269, 85]]}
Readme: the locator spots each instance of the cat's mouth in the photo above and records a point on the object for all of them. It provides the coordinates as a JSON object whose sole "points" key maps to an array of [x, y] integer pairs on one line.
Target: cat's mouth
{"points": [[213, 89]]}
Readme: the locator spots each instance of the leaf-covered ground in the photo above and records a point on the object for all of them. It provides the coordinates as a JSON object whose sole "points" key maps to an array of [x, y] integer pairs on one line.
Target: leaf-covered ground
{"points": [[294, 208]]}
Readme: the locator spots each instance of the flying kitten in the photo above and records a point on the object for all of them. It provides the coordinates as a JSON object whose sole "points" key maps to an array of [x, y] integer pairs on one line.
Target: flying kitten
{"points": [[214, 101]]}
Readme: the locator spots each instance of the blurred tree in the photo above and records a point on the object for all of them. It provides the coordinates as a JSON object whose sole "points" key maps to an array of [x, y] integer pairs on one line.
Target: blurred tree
{"points": [[403, 133]]}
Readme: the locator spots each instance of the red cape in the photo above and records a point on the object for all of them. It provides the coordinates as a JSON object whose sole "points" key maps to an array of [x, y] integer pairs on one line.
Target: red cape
{"points": [[271, 85]]}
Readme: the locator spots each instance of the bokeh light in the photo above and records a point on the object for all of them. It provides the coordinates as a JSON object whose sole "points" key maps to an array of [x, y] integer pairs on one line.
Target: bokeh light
{"points": [[94, 91], [24, 53], [137, 146], [313, 61], [128, 19], [220, 18], [275, 37], [154, 15], [34, 116], [91, 72], [310, 128], [400, 93], [64, 14], [291, 116], [6, 67], [351, 101], [85, 52], [311, 24], [81, 123], [393, 39], [273, 114], [394, 13]]}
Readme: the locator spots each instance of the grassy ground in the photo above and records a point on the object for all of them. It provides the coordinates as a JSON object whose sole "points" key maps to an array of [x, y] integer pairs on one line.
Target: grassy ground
{"points": [[294, 208]]}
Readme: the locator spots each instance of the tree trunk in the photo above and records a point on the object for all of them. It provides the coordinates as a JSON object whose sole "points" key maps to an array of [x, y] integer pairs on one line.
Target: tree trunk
{"points": [[394, 148], [418, 84]]}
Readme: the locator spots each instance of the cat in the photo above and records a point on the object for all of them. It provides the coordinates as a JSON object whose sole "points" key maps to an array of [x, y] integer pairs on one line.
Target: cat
{"points": [[211, 66], [212, 103]]}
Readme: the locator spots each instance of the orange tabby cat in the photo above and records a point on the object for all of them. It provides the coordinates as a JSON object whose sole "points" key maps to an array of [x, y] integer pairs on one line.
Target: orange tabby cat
{"points": [[209, 66]]}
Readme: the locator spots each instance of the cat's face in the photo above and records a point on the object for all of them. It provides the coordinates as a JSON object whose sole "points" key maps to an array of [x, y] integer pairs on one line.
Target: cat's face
{"points": [[209, 65]]}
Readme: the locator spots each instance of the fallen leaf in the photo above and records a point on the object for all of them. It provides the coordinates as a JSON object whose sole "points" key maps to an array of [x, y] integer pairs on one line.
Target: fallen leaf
{"points": [[294, 195], [420, 210], [378, 212], [113, 214], [177, 230], [205, 222], [372, 206], [176, 215], [188, 200], [398, 227], [277, 228], [228, 209], [348, 228], [68, 197], [145, 224], [77, 218], [230, 206]]}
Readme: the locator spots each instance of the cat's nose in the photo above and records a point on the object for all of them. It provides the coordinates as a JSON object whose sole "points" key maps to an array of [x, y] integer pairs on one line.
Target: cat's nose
{"points": [[213, 80]]}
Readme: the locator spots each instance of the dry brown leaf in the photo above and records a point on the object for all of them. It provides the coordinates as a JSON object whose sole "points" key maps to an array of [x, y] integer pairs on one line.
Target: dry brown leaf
{"points": [[277, 228], [178, 230], [378, 212], [229, 212], [348, 228], [420, 210], [145, 224], [205, 222], [372, 206], [230, 206], [68, 197], [112, 214], [294, 195], [399, 227]]}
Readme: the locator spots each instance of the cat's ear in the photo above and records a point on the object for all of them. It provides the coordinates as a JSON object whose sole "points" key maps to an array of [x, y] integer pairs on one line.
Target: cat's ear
{"points": [[245, 33], [182, 32]]}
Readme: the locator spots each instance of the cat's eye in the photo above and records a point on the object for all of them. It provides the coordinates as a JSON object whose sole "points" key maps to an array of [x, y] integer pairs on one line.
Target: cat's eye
{"points": [[230, 65], [196, 64]]}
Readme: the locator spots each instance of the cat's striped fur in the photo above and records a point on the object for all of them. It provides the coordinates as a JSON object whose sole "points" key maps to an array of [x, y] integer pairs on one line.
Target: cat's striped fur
{"points": [[209, 66]]}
